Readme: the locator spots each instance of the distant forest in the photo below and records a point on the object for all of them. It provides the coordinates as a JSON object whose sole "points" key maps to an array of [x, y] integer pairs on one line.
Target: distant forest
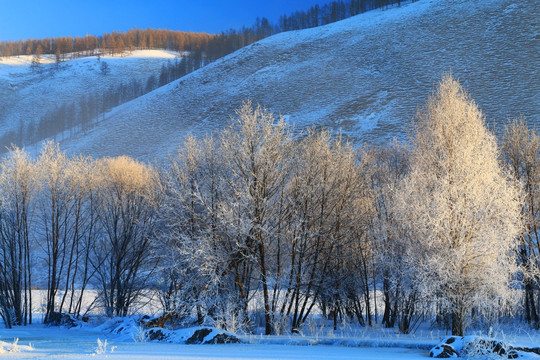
{"points": [[81, 115], [197, 49], [211, 46]]}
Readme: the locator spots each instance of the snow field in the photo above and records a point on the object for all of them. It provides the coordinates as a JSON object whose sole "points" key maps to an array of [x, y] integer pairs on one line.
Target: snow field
{"points": [[37, 342]]}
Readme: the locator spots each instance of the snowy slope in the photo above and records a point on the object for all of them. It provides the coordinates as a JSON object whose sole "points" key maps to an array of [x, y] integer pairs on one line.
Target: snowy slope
{"points": [[365, 76], [25, 95]]}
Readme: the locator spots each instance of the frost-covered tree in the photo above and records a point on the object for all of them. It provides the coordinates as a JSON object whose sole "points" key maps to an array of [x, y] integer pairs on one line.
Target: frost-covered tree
{"points": [[329, 207], [200, 277], [460, 209], [128, 198], [388, 166], [55, 232], [18, 188], [256, 151], [223, 214], [521, 151], [104, 68]]}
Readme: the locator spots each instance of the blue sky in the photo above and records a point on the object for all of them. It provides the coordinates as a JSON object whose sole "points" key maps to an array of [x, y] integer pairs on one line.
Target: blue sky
{"points": [[24, 19]]}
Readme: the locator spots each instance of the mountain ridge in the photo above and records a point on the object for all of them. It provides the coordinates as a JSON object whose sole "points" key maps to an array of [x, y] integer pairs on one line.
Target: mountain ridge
{"points": [[364, 76]]}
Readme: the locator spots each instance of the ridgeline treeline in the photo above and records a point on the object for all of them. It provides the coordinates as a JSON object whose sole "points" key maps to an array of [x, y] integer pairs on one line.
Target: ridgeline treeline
{"points": [[213, 46]]}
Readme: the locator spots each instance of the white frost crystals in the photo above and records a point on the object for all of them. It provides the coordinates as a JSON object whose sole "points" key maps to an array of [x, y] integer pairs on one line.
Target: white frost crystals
{"points": [[102, 347], [14, 347], [459, 208]]}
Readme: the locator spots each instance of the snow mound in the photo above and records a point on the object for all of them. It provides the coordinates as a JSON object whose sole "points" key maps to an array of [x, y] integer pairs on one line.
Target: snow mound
{"points": [[128, 327], [477, 347], [133, 328]]}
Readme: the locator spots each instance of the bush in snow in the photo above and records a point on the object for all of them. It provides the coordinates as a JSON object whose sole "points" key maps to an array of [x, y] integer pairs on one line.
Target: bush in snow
{"points": [[473, 347]]}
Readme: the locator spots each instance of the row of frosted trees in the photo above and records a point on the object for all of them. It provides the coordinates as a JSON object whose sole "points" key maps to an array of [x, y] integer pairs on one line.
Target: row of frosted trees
{"points": [[306, 222], [70, 223], [257, 226]]}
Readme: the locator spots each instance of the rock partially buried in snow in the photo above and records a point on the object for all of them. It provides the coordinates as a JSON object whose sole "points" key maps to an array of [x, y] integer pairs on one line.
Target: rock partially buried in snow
{"points": [[223, 338], [157, 334], [443, 351], [198, 336], [477, 348], [133, 327], [212, 336], [480, 347], [60, 319]]}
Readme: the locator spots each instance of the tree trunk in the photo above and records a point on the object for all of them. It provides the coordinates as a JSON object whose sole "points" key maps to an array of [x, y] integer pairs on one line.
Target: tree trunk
{"points": [[387, 304], [335, 317], [267, 315], [457, 322], [530, 306]]}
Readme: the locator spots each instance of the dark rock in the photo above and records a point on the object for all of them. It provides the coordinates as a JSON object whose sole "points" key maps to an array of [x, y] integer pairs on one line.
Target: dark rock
{"points": [[156, 334], [478, 347], [223, 339], [443, 352], [59, 319], [499, 347], [198, 336], [512, 354], [85, 319], [450, 340]]}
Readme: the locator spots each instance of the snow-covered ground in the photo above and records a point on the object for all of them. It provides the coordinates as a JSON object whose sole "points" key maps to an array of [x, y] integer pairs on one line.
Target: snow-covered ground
{"points": [[59, 343], [100, 341]]}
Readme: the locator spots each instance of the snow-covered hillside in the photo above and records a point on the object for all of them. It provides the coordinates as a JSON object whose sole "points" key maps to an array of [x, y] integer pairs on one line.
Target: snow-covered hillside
{"points": [[27, 94], [365, 76]]}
